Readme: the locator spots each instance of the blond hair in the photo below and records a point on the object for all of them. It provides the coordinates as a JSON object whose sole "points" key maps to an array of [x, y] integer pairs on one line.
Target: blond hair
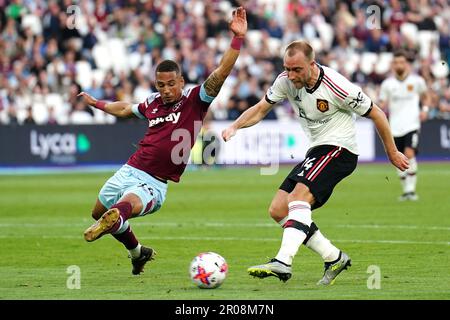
{"points": [[300, 45]]}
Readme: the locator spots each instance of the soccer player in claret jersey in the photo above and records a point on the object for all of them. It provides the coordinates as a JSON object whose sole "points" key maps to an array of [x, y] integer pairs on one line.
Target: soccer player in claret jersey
{"points": [[325, 103], [401, 96], [140, 186]]}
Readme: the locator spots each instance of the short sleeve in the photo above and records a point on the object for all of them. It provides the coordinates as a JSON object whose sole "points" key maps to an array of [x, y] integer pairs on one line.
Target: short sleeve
{"points": [[204, 96], [139, 110], [357, 101], [278, 91]]}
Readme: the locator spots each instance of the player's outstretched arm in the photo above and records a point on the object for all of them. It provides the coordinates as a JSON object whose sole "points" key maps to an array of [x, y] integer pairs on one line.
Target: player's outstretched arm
{"points": [[397, 158], [119, 109], [249, 118], [238, 25]]}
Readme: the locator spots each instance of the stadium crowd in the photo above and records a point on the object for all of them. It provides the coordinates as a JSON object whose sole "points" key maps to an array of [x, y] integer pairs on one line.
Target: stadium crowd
{"points": [[51, 50]]}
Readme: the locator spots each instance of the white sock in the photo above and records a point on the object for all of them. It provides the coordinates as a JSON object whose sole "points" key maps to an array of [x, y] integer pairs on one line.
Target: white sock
{"points": [[402, 175], [123, 227], [323, 247], [299, 211], [411, 177], [136, 252], [283, 221]]}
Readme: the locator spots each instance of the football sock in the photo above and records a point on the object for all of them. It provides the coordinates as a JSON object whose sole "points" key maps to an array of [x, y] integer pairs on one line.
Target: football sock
{"points": [[323, 247], [128, 239], [402, 175], [295, 230], [411, 177], [125, 210], [136, 252]]}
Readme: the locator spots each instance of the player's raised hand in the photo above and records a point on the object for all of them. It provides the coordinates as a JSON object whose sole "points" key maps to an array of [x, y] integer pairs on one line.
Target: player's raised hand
{"points": [[399, 160], [87, 98], [228, 133], [238, 23]]}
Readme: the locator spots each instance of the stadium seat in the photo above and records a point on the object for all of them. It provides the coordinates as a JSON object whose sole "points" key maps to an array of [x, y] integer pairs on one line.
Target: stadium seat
{"points": [[353, 60], [254, 38], [98, 75], [33, 22], [384, 62], [118, 52], [409, 30], [427, 39], [224, 6], [84, 74], [317, 45], [211, 43], [102, 56], [40, 112], [274, 46], [326, 33], [367, 61]]}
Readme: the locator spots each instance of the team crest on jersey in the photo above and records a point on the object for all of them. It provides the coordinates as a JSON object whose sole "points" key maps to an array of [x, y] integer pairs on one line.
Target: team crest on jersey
{"points": [[410, 87], [322, 105], [176, 106]]}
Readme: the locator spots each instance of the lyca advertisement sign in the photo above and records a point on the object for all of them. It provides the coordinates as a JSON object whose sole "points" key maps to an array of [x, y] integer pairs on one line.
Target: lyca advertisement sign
{"points": [[58, 147]]}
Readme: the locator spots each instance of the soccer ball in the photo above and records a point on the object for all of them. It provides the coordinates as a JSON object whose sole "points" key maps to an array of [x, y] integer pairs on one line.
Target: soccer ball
{"points": [[208, 270]]}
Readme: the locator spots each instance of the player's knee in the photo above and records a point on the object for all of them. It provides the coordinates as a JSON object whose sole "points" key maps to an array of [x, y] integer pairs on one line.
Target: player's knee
{"points": [[410, 153]]}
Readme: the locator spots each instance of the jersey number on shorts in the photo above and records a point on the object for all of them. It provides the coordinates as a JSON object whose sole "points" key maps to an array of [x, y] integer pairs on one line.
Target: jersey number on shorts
{"points": [[307, 164]]}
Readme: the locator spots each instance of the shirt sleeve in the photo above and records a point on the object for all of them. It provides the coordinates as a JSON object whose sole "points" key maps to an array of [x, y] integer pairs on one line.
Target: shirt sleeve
{"points": [[356, 101], [278, 91], [204, 96], [197, 95], [139, 110]]}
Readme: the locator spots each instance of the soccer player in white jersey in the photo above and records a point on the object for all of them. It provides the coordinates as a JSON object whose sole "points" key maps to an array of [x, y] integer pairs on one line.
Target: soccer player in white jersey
{"points": [[400, 97], [326, 104]]}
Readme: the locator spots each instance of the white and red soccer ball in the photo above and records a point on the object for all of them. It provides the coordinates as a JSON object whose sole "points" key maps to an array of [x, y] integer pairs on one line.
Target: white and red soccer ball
{"points": [[208, 270]]}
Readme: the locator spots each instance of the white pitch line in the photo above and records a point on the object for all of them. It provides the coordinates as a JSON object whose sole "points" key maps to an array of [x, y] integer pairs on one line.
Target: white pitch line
{"points": [[393, 226], [185, 238], [221, 225]]}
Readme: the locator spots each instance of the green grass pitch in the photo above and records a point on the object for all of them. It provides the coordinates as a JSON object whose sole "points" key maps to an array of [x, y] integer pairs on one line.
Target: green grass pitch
{"points": [[42, 219]]}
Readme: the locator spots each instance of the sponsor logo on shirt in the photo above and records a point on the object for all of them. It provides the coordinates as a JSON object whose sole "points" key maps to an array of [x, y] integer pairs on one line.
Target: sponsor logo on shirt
{"points": [[302, 114], [172, 117], [356, 102], [410, 87]]}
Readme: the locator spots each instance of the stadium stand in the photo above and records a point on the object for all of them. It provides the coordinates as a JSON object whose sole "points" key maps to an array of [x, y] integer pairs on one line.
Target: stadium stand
{"points": [[109, 48]]}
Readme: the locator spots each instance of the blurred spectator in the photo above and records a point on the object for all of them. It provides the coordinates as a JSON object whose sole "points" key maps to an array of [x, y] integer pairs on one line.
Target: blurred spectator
{"points": [[80, 114], [114, 49], [28, 118]]}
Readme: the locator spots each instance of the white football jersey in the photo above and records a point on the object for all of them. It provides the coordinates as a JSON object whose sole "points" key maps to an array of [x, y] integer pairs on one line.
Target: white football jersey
{"points": [[403, 102], [326, 111]]}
